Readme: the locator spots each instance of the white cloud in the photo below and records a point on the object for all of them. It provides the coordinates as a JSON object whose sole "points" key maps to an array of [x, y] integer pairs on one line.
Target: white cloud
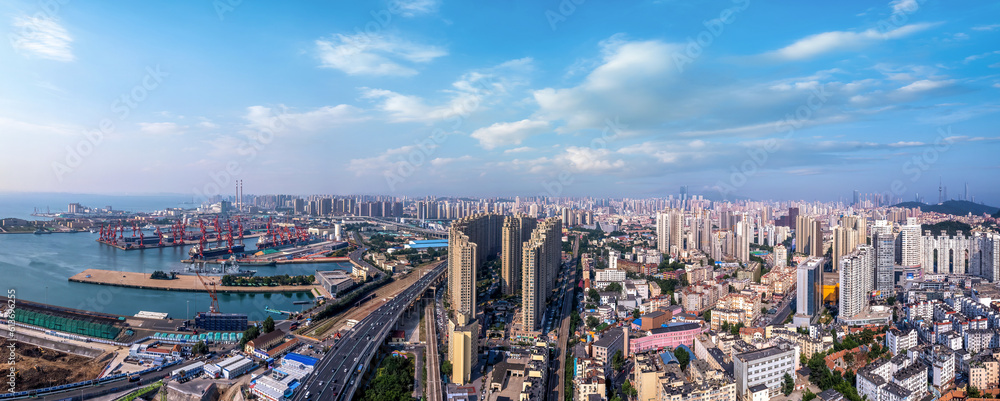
{"points": [[442, 161], [389, 160], [904, 6], [364, 54], [282, 118], [208, 125], [473, 91], [589, 160], [519, 150], [42, 37], [412, 8], [987, 28], [162, 129], [630, 84], [925, 85], [975, 57], [826, 42], [504, 134]]}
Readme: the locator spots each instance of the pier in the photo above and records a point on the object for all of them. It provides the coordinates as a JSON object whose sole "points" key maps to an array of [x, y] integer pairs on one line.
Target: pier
{"points": [[181, 283]]}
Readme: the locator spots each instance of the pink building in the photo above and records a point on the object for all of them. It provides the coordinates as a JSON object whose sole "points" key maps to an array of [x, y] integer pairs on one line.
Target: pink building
{"points": [[667, 337]]}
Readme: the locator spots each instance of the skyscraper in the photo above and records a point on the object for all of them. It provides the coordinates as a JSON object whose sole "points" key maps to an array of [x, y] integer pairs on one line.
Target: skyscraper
{"points": [[857, 273], [540, 266], [809, 291], [516, 230], [885, 257], [910, 242]]}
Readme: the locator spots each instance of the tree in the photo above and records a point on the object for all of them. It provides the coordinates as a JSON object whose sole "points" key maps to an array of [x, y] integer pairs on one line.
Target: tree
{"points": [[788, 385], [974, 392], [629, 390], [635, 314], [707, 315], [594, 296], [617, 361], [593, 322], [250, 333], [199, 348], [682, 357], [808, 395], [446, 367], [268, 324], [890, 301], [613, 287]]}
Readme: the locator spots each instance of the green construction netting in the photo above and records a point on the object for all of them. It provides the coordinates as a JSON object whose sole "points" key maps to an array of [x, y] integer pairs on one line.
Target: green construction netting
{"points": [[68, 325]]}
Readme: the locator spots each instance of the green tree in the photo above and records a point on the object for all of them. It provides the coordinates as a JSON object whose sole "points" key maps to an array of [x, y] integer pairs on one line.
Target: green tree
{"points": [[682, 357], [446, 367], [707, 315], [594, 296], [629, 390], [974, 392], [250, 333], [199, 348], [613, 287], [808, 395], [617, 361], [635, 314], [268, 324], [593, 322], [788, 385]]}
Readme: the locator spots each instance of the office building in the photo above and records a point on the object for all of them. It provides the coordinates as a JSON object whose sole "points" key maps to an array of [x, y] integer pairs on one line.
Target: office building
{"points": [[809, 290]]}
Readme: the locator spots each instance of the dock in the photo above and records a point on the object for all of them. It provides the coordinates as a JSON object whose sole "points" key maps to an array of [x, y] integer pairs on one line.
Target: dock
{"points": [[181, 283]]}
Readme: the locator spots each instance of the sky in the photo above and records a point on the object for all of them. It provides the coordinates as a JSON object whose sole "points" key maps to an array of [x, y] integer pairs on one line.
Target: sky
{"points": [[777, 100]]}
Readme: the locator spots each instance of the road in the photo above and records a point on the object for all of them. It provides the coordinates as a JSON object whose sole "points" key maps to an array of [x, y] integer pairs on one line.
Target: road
{"points": [[434, 385], [783, 313], [336, 376], [567, 304]]}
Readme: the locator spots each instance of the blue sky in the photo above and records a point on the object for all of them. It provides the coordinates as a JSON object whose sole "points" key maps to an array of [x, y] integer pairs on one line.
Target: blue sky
{"points": [[799, 100]]}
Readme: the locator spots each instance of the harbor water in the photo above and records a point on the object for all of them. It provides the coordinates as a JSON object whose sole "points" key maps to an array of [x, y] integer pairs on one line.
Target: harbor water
{"points": [[37, 267]]}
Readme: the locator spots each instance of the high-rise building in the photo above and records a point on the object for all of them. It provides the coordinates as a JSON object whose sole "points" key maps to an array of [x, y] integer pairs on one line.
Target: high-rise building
{"points": [[462, 350], [541, 257], [462, 266], [743, 233], [885, 257], [844, 241], [780, 256], [516, 230], [809, 288], [816, 239], [857, 274], [910, 242], [669, 231]]}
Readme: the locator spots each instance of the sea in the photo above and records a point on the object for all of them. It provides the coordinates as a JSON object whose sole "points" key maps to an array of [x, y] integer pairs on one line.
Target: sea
{"points": [[38, 267]]}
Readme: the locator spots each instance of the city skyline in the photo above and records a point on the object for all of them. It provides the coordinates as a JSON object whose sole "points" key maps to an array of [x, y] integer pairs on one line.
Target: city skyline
{"points": [[427, 97]]}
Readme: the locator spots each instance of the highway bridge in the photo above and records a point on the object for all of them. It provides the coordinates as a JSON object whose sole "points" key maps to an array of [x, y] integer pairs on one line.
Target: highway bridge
{"points": [[399, 226], [338, 374]]}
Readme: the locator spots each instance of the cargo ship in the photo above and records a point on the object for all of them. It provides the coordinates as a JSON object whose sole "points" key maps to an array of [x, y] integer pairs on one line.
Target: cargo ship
{"points": [[229, 267], [211, 253], [263, 245]]}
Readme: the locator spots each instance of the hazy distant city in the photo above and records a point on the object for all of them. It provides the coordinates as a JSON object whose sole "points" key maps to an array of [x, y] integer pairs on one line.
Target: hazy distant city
{"points": [[564, 200]]}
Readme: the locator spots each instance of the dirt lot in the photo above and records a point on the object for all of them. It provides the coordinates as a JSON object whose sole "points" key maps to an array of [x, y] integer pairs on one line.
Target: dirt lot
{"points": [[40, 367]]}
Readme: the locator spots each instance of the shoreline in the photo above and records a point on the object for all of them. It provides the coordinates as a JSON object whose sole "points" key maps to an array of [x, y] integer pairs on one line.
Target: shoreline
{"points": [[181, 283]]}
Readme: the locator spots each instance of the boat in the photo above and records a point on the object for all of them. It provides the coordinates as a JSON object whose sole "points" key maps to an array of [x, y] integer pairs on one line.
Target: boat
{"points": [[41, 231], [229, 267], [265, 245], [209, 253], [148, 227], [258, 262]]}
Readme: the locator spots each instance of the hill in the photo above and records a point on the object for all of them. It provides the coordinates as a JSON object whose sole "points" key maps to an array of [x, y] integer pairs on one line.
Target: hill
{"points": [[950, 226], [953, 207]]}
